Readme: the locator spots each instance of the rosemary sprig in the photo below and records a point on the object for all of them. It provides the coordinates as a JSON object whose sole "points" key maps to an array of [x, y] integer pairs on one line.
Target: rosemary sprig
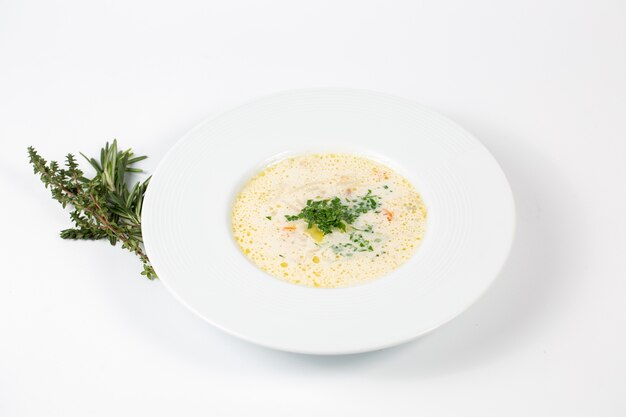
{"points": [[104, 207]]}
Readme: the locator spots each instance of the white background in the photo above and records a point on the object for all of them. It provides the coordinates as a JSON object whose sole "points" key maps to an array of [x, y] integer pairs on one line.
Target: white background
{"points": [[541, 83]]}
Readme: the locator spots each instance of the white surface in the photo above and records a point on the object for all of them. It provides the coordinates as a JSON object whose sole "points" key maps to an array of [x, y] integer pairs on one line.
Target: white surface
{"points": [[189, 240], [540, 82]]}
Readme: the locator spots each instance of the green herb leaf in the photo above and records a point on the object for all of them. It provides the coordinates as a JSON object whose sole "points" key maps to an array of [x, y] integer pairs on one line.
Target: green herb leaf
{"points": [[332, 214], [104, 207]]}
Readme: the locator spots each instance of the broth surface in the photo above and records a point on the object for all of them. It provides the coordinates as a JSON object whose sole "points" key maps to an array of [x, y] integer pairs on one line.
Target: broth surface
{"points": [[388, 226]]}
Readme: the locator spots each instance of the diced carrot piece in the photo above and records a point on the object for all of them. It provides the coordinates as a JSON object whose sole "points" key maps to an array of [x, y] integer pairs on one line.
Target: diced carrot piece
{"points": [[290, 228]]}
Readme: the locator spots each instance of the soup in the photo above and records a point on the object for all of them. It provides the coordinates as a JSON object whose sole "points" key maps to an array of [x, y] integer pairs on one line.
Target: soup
{"points": [[328, 220]]}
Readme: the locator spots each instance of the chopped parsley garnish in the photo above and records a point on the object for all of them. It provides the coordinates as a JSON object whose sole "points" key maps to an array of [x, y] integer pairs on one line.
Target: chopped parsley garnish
{"points": [[366, 203], [332, 214], [268, 217], [358, 243]]}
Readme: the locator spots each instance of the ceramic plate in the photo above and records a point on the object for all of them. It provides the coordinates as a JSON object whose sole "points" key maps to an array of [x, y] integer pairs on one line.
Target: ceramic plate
{"points": [[188, 237]]}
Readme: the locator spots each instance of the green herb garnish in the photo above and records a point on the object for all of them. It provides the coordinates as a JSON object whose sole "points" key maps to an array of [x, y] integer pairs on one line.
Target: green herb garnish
{"points": [[268, 217], [333, 214], [325, 214], [358, 243], [104, 207], [366, 203]]}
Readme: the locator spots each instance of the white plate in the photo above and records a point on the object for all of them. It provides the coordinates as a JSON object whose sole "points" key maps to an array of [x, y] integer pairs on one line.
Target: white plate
{"points": [[186, 221]]}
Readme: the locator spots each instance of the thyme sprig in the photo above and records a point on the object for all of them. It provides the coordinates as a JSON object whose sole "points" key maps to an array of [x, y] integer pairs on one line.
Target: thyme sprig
{"points": [[103, 207]]}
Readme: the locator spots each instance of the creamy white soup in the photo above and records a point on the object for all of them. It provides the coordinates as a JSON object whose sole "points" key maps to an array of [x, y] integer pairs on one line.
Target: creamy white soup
{"points": [[328, 220]]}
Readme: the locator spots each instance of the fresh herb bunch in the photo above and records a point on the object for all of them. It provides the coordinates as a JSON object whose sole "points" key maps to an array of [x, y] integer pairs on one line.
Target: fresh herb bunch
{"points": [[333, 213], [104, 207]]}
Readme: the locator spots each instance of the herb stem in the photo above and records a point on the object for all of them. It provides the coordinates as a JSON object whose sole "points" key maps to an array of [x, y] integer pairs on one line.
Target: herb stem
{"points": [[104, 206]]}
